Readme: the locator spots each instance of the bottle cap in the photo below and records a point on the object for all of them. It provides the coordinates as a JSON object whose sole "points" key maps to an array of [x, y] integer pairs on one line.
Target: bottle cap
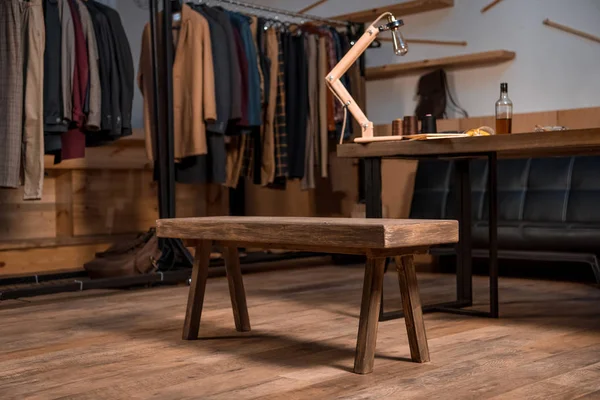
{"points": [[504, 87]]}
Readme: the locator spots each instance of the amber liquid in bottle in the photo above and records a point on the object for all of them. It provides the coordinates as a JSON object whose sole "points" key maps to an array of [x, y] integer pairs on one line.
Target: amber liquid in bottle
{"points": [[503, 125], [504, 110]]}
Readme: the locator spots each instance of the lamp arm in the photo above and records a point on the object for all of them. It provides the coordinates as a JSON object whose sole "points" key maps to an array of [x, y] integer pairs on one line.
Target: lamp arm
{"points": [[336, 86]]}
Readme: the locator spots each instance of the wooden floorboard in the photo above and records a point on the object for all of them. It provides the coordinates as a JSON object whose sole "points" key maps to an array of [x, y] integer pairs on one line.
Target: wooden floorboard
{"points": [[127, 344]]}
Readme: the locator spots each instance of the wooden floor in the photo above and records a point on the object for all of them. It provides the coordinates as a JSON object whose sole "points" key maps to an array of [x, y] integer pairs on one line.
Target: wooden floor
{"points": [[127, 344]]}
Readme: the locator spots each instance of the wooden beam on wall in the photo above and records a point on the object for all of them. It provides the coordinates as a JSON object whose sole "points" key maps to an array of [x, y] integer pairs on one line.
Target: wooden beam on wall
{"points": [[573, 31], [314, 5], [492, 4]]}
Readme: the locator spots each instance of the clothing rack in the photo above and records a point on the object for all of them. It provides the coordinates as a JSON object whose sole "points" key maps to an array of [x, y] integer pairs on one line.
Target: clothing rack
{"points": [[271, 10], [164, 131], [165, 172]]}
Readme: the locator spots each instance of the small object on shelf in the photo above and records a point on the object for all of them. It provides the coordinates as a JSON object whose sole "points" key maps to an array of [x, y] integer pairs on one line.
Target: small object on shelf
{"points": [[431, 136], [539, 128], [481, 131], [574, 31], [397, 127], [504, 111], [410, 125], [428, 124], [492, 4]]}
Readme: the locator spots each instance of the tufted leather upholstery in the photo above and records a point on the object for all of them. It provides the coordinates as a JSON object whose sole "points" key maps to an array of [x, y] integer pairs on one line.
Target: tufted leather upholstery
{"points": [[544, 204]]}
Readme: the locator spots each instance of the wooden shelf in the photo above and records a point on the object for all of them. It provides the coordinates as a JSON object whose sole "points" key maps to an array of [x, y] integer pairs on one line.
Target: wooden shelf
{"points": [[399, 10], [461, 61]]}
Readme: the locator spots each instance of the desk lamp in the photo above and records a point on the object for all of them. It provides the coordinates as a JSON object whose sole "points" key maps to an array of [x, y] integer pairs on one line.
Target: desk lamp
{"points": [[340, 92]]}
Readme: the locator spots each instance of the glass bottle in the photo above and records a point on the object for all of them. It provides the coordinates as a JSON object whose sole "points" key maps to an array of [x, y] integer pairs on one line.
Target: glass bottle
{"points": [[504, 111]]}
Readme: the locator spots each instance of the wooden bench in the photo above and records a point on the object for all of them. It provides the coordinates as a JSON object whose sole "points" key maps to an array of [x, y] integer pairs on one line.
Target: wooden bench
{"points": [[377, 239]]}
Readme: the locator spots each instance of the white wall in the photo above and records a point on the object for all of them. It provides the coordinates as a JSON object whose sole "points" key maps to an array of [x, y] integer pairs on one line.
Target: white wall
{"points": [[552, 70], [134, 19]]}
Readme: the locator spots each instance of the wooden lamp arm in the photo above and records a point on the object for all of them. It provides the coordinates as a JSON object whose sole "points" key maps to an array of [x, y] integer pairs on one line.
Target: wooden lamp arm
{"points": [[338, 89]]}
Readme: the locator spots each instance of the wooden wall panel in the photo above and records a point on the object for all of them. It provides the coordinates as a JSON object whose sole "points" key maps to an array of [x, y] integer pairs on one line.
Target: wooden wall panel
{"points": [[201, 200], [115, 201], [334, 196], [127, 153], [64, 203], [398, 181], [112, 202], [476, 122], [448, 125], [289, 202], [523, 123], [337, 194], [47, 260], [581, 118], [20, 219]]}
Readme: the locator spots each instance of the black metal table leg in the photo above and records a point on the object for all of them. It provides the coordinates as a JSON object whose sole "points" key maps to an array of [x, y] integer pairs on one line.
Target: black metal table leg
{"points": [[493, 232], [373, 206], [464, 265], [464, 248]]}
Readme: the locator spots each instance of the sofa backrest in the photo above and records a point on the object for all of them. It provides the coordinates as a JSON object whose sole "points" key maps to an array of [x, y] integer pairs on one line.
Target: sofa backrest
{"points": [[554, 189]]}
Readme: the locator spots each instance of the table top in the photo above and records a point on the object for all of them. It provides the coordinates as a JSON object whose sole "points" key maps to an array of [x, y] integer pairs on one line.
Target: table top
{"points": [[535, 144], [375, 233]]}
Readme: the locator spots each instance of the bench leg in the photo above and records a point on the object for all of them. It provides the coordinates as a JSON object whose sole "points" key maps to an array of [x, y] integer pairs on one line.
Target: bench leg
{"points": [[197, 289], [236, 289], [413, 313], [369, 316]]}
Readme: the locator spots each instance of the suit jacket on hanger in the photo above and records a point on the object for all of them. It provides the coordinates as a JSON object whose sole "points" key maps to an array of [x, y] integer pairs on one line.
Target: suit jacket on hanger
{"points": [[124, 64], [109, 72], [193, 85], [234, 71]]}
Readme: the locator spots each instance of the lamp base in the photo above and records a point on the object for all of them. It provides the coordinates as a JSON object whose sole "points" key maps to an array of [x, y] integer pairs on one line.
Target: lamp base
{"points": [[377, 139]]}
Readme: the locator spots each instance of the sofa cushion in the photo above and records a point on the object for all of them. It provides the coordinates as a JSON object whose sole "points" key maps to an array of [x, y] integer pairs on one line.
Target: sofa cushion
{"points": [[547, 204]]}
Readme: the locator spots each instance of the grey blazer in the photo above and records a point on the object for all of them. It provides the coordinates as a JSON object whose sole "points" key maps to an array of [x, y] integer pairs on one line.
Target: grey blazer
{"points": [[222, 66]]}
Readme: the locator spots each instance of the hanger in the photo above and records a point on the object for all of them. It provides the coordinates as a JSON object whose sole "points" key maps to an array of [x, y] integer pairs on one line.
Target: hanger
{"points": [[176, 10]]}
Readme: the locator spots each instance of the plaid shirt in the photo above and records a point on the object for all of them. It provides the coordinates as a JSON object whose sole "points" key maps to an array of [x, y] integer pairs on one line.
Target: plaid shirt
{"points": [[281, 139], [333, 60], [248, 160]]}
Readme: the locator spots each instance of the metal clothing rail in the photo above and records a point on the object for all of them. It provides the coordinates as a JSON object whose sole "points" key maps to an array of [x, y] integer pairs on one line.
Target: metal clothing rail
{"points": [[78, 281], [162, 63], [278, 11]]}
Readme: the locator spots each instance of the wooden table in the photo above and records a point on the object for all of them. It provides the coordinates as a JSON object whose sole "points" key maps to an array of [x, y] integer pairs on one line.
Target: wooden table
{"points": [[536, 144]]}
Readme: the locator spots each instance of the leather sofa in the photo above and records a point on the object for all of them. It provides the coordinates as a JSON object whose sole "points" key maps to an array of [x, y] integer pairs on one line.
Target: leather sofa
{"points": [[548, 208]]}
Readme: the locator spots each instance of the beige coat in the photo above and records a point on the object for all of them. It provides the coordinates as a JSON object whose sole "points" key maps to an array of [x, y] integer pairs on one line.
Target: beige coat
{"points": [[194, 101]]}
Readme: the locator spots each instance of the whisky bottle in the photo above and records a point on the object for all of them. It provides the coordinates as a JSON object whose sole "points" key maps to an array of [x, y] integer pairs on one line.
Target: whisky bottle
{"points": [[504, 111]]}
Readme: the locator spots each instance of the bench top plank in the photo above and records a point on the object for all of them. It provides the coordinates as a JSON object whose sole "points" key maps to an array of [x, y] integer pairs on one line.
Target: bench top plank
{"points": [[368, 233]]}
